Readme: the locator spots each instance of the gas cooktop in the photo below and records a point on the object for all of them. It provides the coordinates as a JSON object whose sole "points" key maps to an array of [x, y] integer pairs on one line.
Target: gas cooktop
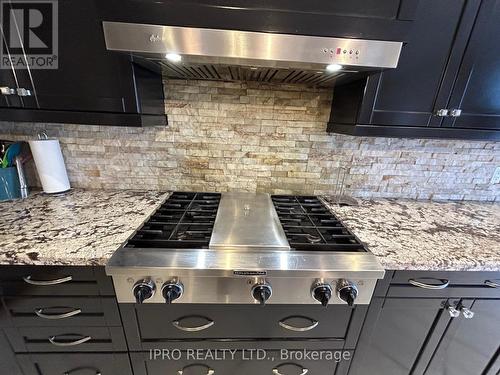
{"points": [[243, 248], [186, 220]]}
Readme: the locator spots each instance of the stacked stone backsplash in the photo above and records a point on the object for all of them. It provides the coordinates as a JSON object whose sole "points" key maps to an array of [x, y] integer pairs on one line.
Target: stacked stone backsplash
{"points": [[261, 137]]}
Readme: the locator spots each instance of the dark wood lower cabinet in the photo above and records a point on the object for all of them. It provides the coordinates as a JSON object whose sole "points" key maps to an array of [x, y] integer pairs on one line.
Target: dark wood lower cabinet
{"points": [[405, 333], [407, 329], [394, 332], [470, 346], [258, 358], [75, 364]]}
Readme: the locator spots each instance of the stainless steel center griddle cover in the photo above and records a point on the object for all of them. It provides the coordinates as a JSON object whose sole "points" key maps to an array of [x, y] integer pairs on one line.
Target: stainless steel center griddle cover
{"points": [[243, 248]]}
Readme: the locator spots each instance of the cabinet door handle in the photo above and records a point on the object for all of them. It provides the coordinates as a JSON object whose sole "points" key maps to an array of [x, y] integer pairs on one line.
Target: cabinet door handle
{"points": [[442, 112], [23, 92], [492, 283], [177, 325], [7, 91], [444, 283], [468, 314], [68, 314], [28, 280], [209, 370], [455, 112], [276, 371], [97, 372], [452, 310], [314, 324], [53, 341]]}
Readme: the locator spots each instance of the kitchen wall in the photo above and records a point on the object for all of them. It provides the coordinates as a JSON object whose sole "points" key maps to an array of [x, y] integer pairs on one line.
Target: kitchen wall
{"points": [[262, 137]]}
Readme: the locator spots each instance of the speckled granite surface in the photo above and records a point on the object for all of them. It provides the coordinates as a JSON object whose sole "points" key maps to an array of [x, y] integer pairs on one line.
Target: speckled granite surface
{"points": [[77, 228], [84, 227], [417, 235]]}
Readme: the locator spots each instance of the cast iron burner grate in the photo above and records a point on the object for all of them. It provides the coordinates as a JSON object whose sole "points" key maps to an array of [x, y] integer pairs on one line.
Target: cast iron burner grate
{"points": [[310, 225], [184, 220]]}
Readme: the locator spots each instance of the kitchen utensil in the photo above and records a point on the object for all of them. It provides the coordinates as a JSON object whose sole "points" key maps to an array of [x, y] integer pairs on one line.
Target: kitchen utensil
{"points": [[13, 151], [18, 160]]}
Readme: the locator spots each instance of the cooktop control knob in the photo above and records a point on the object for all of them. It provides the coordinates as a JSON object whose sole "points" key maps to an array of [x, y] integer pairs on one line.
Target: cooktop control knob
{"points": [[262, 292], [347, 291], [143, 290], [322, 292], [171, 291]]}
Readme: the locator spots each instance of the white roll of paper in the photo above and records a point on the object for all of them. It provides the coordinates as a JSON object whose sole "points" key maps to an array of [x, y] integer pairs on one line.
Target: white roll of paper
{"points": [[50, 165]]}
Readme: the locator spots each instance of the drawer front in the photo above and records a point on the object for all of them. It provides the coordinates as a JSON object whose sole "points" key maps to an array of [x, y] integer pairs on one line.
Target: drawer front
{"points": [[255, 359], [74, 364], [66, 339], [160, 322], [54, 280], [59, 311], [445, 284]]}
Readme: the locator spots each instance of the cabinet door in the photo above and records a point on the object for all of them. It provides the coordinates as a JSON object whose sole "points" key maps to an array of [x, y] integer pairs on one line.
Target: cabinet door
{"points": [[470, 346], [75, 364], [408, 95], [88, 78], [8, 76], [477, 89], [394, 333]]}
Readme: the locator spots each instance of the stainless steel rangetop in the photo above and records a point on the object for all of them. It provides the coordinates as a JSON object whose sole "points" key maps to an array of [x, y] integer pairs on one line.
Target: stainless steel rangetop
{"points": [[243, 248]]}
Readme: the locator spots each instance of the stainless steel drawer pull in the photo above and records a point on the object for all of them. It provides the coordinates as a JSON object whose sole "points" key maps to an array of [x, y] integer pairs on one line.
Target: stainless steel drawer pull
{"points": [[304, 370], [97, 372], [209, 370], [314, 324], [28, 280], [53, 341], [492, 283], [444, 283], [177, 325], [68, 314]]}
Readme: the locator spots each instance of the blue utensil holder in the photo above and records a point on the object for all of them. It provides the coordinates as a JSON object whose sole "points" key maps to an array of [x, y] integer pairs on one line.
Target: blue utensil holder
{"points": [[9, 184]]}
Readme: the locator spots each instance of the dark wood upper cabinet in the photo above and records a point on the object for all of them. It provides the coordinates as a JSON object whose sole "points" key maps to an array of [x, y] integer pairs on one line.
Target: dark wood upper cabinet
{"points": [[447, 63], [368, 19], [477, 89], [90, 85]]}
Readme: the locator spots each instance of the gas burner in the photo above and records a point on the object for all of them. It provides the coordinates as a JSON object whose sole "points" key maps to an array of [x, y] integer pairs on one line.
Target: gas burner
{"points": [[316, 228], [184, 220], [312, 238]]}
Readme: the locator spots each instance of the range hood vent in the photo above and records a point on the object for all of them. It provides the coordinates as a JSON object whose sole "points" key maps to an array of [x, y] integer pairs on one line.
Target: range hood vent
{"points": [[241, 73], [230, 55]]}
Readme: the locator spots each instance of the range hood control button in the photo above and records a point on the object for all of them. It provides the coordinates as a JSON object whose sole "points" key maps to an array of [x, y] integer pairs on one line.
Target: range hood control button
{"points": [[347, 291], [262, 292], [143, 290], [171, 291], [322, 293]]}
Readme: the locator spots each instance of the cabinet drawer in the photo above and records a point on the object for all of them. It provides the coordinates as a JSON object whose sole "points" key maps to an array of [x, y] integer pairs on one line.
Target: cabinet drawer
{"points": [[160, 322], [256, 358], [66, 339], [59, 311], [445, 284], [54, 280], [74, 364]]}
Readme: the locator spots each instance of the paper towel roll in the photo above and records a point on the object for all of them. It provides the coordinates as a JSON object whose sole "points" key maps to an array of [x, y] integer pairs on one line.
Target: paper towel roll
{"points": [[50, 165]]}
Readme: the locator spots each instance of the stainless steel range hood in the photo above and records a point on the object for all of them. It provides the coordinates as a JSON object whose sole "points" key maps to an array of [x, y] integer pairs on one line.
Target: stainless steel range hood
{"points": [[200, 53]]}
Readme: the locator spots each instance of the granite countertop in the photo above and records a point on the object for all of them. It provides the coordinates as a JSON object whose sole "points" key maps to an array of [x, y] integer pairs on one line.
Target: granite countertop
{"points": [[85, 227], [81, 227], [422, 235]]}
